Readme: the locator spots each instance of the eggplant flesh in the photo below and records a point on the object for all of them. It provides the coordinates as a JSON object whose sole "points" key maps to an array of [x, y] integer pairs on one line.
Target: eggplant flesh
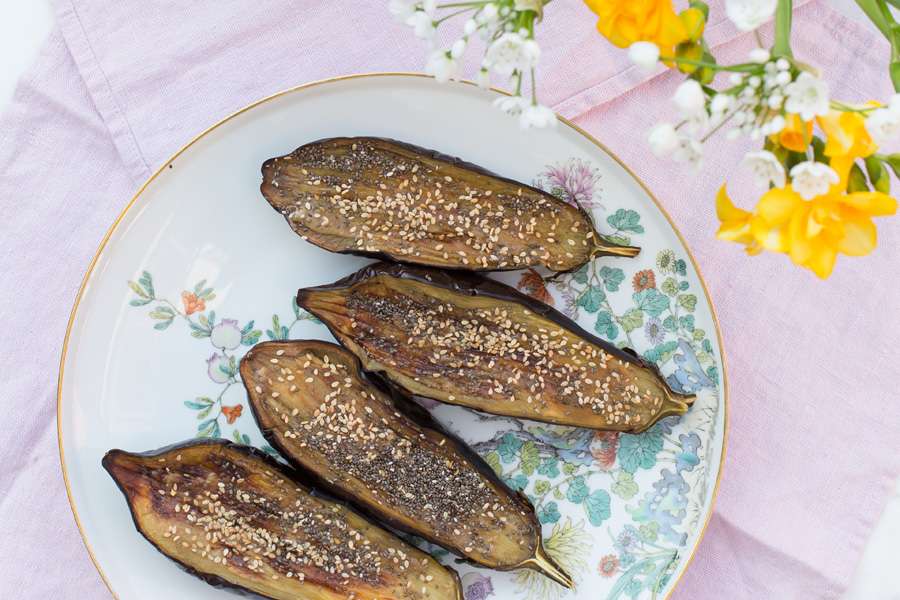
{"points": [[463, 339], [387, 455], [235, 518], [392, 200]]}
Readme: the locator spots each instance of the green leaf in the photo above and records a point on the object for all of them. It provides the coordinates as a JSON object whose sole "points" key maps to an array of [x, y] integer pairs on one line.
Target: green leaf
{"points": [[707, 345], [578, 490], [199, 287], [687, 322], [493, 459], [661, 353], [569, 468], [549, 513], [612, 278], [878, 175], [857, 180], [205, 412], [681, 267], [541, 487], [624, 486], [895, 74], [597, 507], [529, 458], [651, 301], [162, 325], [699, 334], [198, 404], [669, 323], [625, 220], [702, 7], [683, 286], [592, 299], [146, 280], [549, 467], [581, 275], [162, 312], [649, 531], [205, 428], [509, 447], [618, 238], [605, 326], [819, 150], [236, 436], [632, 319], [250, 338], [893, 161], [557, 493], [670, 286], [687, 302], [140, 301], [138, 290], [639, 451]]}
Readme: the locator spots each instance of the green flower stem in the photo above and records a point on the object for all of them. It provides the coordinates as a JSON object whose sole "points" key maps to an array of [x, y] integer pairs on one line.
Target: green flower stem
{"points": [[783, 15], [175, 308], [873, 10], [849, 108], [556, 486], [453, 14], [737, 68], [466, 4]]}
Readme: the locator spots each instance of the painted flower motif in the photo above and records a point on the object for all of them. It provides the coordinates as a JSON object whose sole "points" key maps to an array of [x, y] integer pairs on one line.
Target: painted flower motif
{"points": [[232, 413], [643, 280], [226, 335], [574, 181], [608, 566], [477, 587], [627, 541], [532, 284], [218, 368], [654, 331], [665, 261], [192, 303], [603, 448]]}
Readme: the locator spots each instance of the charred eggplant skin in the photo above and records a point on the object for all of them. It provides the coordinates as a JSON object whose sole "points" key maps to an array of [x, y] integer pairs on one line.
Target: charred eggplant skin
{"points": [[291, 416], [477, 286], [113, 462], [304, 185]]}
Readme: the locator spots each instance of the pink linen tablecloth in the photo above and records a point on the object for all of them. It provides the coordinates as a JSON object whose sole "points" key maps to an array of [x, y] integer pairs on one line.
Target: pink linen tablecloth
{"points": [[119, 86]]}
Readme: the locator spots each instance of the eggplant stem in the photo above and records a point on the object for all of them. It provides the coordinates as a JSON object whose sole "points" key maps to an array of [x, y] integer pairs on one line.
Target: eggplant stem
{"points": [[676, 404], [602, 249], [542, 563]]}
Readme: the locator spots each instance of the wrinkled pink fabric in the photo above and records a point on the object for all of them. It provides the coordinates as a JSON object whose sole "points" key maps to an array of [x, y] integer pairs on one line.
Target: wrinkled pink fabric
{"points": [[814, 417]]}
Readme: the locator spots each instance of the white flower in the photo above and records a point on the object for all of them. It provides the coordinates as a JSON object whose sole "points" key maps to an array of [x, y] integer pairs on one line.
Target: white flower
{"points": [[811, 179], [807, 96], [783, 64], [773, 125], [663, 139], [747, 15], [218, 368], [484, 78], [422, 24], [511, 52], [402, 9], [689, 151], [759, 55], [489, 13], [644, 55], [511, 105], [226, 335], [894, 103], [765, 168], [689, 98], [883, 124], [470, 27], [458, 48], [443, 66], [537, 115], [721, 103]]}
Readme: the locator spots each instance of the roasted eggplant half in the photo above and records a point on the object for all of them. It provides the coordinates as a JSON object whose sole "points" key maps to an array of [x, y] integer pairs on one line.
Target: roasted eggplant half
{"points": [[386, 454], [388, 199], [464, 339], [235, 518]]}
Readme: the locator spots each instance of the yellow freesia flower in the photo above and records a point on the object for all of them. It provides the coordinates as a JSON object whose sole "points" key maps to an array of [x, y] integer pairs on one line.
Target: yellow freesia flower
{"points": [[814, 232], [736, 223], [847, 140], [624, 22], [796, 135]]}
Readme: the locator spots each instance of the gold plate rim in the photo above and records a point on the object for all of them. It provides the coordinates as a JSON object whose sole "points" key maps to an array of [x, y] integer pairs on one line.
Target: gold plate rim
{"points": [[202, 134]]}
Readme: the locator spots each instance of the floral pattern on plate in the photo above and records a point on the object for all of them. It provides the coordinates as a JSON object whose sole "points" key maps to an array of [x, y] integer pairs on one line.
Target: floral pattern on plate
{"points": [[617, 509]]}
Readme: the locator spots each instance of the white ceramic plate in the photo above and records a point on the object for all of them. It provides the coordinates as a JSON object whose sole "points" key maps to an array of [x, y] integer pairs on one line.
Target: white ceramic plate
{"points": [[198, 267]]}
